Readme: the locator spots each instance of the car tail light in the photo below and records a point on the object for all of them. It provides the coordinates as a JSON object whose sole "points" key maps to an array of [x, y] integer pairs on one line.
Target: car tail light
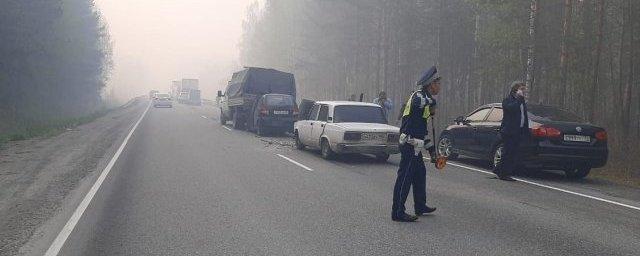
{"points": [[393, 137], [296, 111], [601, 135], [545, 131], [263, 110], [352, 136]]}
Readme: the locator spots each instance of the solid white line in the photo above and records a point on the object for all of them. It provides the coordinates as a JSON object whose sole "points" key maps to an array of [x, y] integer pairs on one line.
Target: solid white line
{"points": [[296, 163], [551, 187], [57, 244], [226, 128], [204, 117]]}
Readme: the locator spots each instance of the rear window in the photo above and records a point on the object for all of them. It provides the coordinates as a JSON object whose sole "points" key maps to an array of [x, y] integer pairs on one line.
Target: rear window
{"points": [[162, 95], [358, 114], [279, 100], [547, 113]]}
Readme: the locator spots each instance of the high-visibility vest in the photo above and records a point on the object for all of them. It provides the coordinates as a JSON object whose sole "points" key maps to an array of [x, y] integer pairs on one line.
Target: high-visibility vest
{"points": [[407, 109]]}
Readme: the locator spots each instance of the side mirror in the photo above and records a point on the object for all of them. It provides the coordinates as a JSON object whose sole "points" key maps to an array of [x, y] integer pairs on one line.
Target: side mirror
{"points": [[459, 120], [220, 94], [330, 119]]}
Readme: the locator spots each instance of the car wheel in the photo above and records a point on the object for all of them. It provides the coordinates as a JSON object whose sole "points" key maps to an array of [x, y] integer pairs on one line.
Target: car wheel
{"points": [[223, 120], [382, 157], [326, 151], [445, 147], [237, 122], [299, 144], [577, 172], [497, 156]]}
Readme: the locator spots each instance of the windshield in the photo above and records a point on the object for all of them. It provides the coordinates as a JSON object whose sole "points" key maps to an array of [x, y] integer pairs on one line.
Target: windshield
{"points": [[358, 114], [279, 100], [548, 113]]}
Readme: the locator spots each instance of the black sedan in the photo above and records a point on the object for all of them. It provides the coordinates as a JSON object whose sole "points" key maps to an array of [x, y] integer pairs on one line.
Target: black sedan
{"points": [[560, 140]]}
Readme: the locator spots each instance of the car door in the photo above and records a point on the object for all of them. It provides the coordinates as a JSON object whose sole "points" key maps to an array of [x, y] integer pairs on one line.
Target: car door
{"points": [[487, 133], [465, 135], [305, 126], [317, 127]]}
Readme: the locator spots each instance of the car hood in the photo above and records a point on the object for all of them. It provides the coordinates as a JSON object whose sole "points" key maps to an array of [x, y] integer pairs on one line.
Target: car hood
{"points": [[367, 127]]}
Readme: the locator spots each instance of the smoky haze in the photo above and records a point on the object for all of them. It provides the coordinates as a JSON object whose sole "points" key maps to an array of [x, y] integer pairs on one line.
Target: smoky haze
{"points": [[156, 41]]}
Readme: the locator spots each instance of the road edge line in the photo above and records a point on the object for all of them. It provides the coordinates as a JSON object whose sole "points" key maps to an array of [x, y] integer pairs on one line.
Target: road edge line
{"points": [[296, 163], [554, 188], [60, 240]]}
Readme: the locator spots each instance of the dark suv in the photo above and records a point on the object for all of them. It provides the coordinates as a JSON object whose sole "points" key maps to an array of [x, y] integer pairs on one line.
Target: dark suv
{"points": [[274, 113], [560, 140]]}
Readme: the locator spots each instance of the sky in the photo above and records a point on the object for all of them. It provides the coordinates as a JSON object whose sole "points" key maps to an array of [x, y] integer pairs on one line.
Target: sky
{"points": [[157, 41]]}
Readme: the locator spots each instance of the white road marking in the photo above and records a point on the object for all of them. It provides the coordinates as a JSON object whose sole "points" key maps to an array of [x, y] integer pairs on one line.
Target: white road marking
{"points": [[550, 187], [204, 117], [226, 128], [57, 244], [296, 163]]}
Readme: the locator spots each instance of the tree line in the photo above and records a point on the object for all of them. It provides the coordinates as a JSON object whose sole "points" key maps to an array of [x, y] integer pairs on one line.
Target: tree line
{"points": [[579, 55], [54, 60]]}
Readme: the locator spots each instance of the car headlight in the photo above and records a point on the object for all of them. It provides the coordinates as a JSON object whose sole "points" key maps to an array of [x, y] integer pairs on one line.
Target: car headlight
{"points": [[352, 136]]}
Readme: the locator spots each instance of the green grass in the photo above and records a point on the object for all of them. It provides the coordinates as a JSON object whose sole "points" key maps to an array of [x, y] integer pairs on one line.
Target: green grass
{"points": [[48, 128]]}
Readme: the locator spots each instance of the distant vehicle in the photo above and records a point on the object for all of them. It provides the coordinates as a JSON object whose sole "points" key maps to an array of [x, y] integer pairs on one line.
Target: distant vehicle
{"points": [[152, 94], [337, 127], [186, 91], [162, 100], [274, 113], [560, 140], [239, 101]]}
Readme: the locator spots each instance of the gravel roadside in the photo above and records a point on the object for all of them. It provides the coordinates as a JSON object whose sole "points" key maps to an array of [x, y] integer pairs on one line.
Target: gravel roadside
{"points": [[38, 175]]}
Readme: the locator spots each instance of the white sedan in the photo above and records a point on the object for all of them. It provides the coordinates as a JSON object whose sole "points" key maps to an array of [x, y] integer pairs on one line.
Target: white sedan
{"points": [[337, 127]]}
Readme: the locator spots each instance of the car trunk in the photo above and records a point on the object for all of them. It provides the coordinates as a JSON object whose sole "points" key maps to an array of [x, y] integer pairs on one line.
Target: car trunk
{"points": [[571, 133]]}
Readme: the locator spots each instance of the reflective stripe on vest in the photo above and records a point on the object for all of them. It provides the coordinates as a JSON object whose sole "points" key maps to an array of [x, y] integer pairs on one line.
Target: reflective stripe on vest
{"points": [[407, 109]]}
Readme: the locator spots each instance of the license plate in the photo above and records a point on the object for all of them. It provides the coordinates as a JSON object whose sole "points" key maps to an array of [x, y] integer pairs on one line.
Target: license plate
{"points": [[374, 136], [276, 112], [577, 138]]}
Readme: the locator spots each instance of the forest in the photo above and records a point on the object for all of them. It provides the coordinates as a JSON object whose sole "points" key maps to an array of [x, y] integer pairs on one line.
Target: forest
{"points": [[55, 57], [580, 55]]}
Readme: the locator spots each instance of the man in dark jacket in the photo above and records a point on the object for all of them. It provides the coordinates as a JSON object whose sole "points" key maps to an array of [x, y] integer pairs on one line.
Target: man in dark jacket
{"points": [[514, 128], [412, 172]]}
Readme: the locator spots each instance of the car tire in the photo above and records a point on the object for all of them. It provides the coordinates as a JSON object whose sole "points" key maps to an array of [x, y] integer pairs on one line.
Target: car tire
{"points": [[382, 157], [577, 172], [325, 150], [445, 146], [299, 144], [496, 156], [223, 119], [237, 122]]}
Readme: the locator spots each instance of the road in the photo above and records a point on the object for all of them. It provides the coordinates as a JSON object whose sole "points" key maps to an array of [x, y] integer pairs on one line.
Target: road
{"points": [[185, 185]]}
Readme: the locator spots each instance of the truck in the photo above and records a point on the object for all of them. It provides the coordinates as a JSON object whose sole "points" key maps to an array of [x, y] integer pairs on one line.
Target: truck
{"points": [[246, 87], [189, 92]]}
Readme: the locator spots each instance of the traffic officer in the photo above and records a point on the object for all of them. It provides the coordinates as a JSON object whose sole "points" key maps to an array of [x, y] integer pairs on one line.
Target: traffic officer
{"points": [[413, 131]]}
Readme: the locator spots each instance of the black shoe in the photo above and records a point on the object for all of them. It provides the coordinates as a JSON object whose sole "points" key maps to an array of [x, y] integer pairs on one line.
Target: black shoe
{"points": [[506, 178], [404, 218], [425, 211]]}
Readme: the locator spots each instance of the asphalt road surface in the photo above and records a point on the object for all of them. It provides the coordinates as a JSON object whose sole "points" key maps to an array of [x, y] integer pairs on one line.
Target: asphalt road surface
{"points": [[185, 185]]}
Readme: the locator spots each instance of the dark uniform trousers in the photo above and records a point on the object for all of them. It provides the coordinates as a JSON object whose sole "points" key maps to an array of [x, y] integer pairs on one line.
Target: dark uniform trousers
{"points": [[509, 161], [412, 172]]}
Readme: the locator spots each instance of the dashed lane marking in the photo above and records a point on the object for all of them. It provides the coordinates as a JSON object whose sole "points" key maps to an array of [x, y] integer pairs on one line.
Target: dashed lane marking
{"points": [[550, 187], [296, 163], [57, 244], [226, 128], [204, 117]]}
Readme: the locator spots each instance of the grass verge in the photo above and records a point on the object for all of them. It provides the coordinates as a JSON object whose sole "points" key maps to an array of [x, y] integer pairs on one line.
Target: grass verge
{"points": [[48, 128]]}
